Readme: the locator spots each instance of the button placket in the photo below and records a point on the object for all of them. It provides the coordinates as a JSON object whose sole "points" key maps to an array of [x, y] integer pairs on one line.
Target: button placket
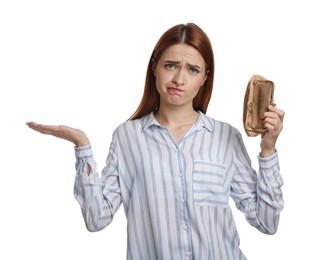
{"points": [[181, 199]]}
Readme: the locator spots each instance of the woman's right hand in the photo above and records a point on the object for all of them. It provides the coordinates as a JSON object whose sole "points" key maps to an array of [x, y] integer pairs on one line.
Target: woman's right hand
{"points": [[76, 136]]}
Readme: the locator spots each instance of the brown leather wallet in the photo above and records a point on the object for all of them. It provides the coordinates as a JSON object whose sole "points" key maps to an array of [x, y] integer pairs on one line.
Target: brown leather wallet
{"points": [[259, 95]]}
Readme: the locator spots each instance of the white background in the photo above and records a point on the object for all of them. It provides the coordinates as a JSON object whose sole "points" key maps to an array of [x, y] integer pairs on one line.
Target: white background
{"points": [[83, 63]]}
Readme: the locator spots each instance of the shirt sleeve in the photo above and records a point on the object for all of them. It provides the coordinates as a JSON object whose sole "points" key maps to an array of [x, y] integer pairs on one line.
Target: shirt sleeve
{"points": [[258, 196], [99, 198]]}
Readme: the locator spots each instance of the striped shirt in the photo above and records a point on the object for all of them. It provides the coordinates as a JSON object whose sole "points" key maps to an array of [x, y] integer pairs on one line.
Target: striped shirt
{"points": [[176, 196]]}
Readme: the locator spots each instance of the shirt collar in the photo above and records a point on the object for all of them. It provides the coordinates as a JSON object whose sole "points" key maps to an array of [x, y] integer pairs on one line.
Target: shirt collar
{"points": [[203, 121]]}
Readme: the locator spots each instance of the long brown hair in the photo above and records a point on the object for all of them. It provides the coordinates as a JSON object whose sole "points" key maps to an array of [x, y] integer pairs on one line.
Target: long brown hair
{"points": [[189, 34]]}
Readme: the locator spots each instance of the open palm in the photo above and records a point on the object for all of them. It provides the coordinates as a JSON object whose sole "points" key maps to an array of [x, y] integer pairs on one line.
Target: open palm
{"points": [[74, 135]]}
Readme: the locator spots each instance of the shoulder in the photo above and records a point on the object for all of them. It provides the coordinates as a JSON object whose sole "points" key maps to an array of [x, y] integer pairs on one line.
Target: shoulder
{"points": [[131, 126]]}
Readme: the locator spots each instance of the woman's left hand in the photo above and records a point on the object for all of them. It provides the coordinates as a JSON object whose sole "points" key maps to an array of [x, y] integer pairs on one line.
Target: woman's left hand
{"points": [[273, 122]]}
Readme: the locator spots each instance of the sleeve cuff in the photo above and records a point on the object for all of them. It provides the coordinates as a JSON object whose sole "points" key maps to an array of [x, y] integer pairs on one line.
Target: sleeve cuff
{"points": [[269, 162], [83, 151]]}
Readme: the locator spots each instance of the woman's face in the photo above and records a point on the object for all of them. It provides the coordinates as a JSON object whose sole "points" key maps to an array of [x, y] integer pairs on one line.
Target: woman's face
{"points": [[180, 73]]}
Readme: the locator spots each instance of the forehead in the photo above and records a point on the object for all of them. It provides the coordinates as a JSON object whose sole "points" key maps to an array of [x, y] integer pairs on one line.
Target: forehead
{"points": [[183, 53]]}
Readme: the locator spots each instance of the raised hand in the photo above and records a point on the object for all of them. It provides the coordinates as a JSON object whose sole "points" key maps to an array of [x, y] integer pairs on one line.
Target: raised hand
{"points": [[273, 122], [76, 136]]}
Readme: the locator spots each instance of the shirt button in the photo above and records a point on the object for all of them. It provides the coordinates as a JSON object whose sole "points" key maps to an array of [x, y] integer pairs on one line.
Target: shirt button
{"points": [[180, 174], [188, 254], [184, 227]]}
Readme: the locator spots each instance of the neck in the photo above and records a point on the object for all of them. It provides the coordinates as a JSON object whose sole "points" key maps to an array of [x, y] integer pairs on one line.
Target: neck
{"points": [[176, 116]]}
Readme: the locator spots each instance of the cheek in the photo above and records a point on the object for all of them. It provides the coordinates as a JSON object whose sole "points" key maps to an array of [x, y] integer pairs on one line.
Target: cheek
{"points": [[162, 79], [197, 86], [159, 83], [196, 91]]}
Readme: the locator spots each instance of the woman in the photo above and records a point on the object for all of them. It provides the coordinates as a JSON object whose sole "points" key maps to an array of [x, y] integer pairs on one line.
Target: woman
{"points": [[174, 168]]}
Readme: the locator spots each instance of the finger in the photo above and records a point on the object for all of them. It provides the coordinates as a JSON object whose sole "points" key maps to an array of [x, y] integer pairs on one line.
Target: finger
{"points": [[273, 124], [279, 112], [270, 115], [44, 129], [33, 125], [270, 127], [271, 120], [275, 114]]}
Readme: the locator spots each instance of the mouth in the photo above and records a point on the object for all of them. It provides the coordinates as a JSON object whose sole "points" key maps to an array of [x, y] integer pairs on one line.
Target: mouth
{"points": [[174, 90]]}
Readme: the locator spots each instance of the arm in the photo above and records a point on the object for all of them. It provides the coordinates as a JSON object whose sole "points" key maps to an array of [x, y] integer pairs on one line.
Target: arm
{"points": [[99, 198], [258, 196]]}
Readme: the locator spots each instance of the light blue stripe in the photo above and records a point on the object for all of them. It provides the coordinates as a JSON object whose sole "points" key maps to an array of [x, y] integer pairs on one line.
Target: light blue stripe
{"points": [[213, 202], [219, 175], [224, 233], [218, 148], [209, 164], [217, 233], [211, 183]]}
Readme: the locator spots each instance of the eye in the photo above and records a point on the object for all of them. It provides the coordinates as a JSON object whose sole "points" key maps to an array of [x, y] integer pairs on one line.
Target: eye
{"points": [[193, 70], [170, 66]]}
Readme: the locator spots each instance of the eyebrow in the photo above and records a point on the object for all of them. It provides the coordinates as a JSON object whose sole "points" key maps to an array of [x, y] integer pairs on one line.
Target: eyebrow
{"points": [[178, 62]]}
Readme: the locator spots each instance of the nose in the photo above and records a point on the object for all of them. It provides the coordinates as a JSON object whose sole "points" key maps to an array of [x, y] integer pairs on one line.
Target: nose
{"points": [[178, 78]]}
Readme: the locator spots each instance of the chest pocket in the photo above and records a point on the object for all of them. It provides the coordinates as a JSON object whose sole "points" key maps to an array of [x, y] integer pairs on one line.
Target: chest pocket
{"points": [[209, 188]]}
